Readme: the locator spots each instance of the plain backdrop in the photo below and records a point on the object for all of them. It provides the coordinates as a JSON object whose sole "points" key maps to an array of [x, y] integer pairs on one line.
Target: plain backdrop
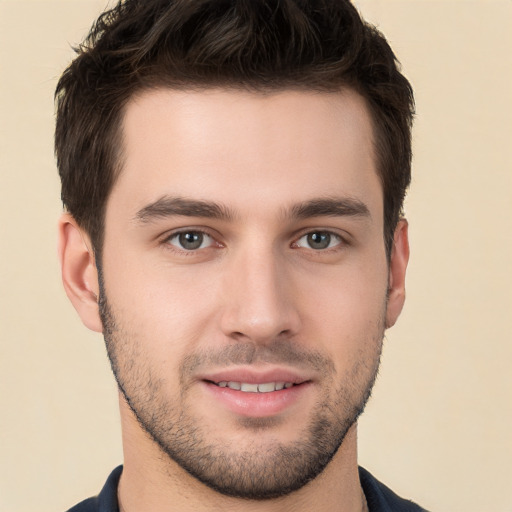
{"points": [[438, 428]]}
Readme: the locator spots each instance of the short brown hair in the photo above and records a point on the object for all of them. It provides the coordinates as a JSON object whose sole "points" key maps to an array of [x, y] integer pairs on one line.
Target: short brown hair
{"points": [[258, 45]]}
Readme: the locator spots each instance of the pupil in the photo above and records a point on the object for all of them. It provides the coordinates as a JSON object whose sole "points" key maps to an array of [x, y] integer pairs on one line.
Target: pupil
{"points": [[319, 240], [191, 240]]}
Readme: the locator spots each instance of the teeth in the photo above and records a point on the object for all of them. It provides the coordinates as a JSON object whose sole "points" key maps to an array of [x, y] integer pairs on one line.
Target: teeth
{"points": [[250, 388], [266, 387]]}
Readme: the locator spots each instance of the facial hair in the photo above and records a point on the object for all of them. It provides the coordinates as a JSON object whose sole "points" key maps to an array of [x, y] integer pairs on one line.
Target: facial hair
{"points": [[255, 472]]}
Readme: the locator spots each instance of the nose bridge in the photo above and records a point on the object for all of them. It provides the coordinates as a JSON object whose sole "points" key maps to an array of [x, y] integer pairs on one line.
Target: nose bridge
{"points": [[259, 300]]}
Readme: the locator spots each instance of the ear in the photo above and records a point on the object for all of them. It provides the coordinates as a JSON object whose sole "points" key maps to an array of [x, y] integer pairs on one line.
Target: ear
{"points": [[397, 267], [79, 274]]}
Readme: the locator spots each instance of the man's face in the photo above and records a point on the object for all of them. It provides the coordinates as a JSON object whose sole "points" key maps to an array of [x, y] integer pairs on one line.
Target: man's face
{"points": [[245, 280]]}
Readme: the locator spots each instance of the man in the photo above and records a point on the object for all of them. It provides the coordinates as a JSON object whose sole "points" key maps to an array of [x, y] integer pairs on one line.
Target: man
{"points": [[233, 175]]}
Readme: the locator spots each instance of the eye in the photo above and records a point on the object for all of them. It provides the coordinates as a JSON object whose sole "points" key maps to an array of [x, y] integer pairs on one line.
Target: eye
{"points": [[319, 240], [190, 240]]}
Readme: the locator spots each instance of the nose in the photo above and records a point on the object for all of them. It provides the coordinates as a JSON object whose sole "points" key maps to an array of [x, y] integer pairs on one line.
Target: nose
{"points": [[260, 303]]}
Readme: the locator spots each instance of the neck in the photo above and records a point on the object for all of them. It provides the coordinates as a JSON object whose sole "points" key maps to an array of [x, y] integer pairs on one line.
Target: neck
{"points": [[151, 482]]}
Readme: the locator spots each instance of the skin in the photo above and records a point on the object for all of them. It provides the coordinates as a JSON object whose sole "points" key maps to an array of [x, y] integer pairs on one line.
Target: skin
{"points": [[256, 283]]}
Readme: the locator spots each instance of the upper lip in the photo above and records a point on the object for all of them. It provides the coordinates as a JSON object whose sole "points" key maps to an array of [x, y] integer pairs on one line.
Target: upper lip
{"points": [[256, 376]]}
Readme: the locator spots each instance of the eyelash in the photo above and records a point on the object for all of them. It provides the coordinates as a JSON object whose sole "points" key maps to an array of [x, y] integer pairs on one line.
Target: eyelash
{"points": [[341, 241], [167, 240]]}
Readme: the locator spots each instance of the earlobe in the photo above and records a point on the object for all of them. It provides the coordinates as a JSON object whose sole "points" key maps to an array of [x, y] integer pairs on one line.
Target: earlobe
{"points": [[79, 273], [397, 269]]}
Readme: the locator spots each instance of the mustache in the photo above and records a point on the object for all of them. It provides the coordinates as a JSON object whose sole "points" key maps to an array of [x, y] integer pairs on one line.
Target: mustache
{"points": [[286, 352]]}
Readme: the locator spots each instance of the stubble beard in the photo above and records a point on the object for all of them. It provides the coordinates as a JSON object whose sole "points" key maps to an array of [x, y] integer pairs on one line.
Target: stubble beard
{"points": [[257, 472]]}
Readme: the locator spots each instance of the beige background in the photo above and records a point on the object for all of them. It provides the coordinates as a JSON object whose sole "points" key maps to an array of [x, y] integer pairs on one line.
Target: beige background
{"points": [[439, 428]]}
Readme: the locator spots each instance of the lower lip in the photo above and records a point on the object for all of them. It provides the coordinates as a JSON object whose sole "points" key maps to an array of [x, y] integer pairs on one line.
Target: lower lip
{"points": [[257, 405]]}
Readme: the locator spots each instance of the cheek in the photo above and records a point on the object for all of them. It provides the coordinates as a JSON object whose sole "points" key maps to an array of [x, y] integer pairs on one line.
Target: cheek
{"points": [[164, 307], [347, 312], [351, 293]]}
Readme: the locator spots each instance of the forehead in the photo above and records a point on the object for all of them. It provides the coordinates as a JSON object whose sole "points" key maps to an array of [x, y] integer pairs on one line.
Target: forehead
{"points": [[237, 146]]}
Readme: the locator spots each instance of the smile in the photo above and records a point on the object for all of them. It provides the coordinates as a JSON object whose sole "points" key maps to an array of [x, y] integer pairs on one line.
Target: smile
{"points": [[266, 387], [257, 394]]}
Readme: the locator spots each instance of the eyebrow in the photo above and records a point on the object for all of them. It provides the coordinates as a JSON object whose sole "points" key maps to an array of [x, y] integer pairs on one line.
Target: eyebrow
{"points": [[330, 207], [168, 206]]}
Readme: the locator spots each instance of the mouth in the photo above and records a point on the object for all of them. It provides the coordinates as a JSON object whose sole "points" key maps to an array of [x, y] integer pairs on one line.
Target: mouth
{"points": [[259, 393], [249, 387]]}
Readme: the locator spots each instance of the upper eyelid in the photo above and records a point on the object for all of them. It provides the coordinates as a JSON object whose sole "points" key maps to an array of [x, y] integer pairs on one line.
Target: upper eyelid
{"points": [[329, 232], [177, 231]]}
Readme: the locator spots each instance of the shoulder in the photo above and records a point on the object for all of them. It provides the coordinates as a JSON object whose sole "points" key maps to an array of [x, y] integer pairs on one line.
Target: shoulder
{"points": [[381, 498], [106, 501], [88, 505]]}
